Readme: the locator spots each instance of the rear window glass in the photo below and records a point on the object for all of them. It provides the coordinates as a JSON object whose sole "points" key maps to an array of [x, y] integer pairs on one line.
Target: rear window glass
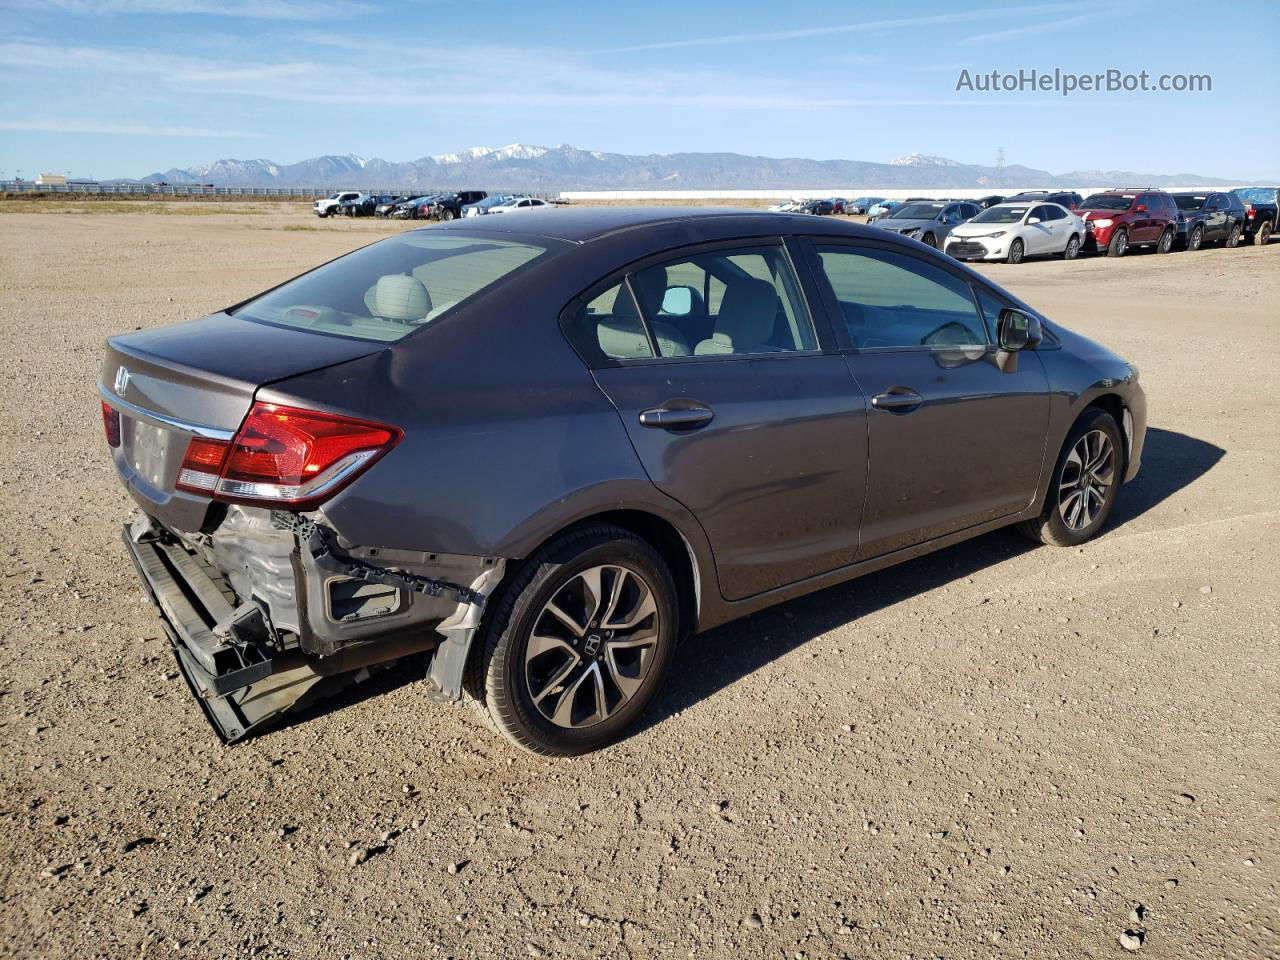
{"points": [[392, 288]]}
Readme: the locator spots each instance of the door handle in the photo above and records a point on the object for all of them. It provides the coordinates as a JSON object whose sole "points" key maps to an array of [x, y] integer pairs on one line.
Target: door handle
{"points": [[677, 418], [898, 401]]}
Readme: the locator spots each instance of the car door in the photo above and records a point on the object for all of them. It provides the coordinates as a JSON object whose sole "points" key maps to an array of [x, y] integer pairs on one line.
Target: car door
{"points": [[1216, 218], [956, 433], [1039, 235], [1146, 224], [713, 361]]}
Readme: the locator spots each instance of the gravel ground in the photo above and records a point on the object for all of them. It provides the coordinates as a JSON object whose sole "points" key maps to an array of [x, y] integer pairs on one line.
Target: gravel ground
{"points": [[995, 751]]}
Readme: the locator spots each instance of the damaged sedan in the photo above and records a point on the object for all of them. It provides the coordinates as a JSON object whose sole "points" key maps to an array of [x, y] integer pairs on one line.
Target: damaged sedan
{"points": [[540, 451]]}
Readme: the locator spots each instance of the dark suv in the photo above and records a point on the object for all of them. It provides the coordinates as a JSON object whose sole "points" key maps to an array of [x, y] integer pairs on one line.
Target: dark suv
{"points": [[449, 207], [1122, 218], [1206, 217], [1064, 198]]}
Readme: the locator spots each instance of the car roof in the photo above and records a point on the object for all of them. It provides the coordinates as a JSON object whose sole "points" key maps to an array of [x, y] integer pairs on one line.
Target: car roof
{"points": [[584, 224]]}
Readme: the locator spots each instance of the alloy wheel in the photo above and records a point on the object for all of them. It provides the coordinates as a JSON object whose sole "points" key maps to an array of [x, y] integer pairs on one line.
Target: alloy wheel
{"points": [[591, 646], [1073, 248], [1197, 235], [1085, 479]]}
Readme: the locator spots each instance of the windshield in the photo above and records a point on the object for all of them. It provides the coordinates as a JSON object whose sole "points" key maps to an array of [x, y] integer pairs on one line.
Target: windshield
{"points": [[389, 289], [1108, 201], [916, 211], [1190, 203], [1256, 194], [488, 202], [1001, 215]]}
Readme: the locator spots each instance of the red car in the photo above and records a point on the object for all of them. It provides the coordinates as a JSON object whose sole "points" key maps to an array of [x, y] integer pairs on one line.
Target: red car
{"points": [[1119, 219]]}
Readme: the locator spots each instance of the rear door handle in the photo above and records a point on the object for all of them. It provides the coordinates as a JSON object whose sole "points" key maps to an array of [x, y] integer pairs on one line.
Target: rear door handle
{"points": [[677, 418], [899, 400]]}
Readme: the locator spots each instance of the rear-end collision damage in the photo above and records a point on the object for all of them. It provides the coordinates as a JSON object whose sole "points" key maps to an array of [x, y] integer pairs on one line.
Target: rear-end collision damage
{"points": [[267, 605]]}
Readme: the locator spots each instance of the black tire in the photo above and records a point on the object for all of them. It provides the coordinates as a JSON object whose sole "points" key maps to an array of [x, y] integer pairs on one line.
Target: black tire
{"points": [[1233, 238], [1165, 243], [1017, 250], [1196, 239], [1072, 249], [446, 215], [1119, 244], [930, 239], [498, 675], [1051, 527], [1262, 234]]}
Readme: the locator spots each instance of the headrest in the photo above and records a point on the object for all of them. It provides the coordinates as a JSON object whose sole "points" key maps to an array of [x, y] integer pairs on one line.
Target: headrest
{"points": [[398, 297]]}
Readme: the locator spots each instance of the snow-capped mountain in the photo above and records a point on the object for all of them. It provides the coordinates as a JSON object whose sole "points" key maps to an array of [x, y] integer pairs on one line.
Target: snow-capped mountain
{"points": [[921, 160], [520, 166]]}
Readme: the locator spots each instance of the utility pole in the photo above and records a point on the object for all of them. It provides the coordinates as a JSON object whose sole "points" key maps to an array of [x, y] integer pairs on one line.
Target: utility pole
{"points": [[999, 166]]}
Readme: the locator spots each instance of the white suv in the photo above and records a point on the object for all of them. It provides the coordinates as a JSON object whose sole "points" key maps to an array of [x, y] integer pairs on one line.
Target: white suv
{"points": [[324, 206]]}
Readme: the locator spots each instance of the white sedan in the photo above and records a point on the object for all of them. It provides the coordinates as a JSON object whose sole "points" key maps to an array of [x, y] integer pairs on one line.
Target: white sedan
{"points": [[1012, 231], [520, 203]]}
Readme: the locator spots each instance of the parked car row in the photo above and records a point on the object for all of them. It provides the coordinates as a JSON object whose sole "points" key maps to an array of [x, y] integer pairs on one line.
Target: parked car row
{"points": [[435, 206], [1039, 223]]}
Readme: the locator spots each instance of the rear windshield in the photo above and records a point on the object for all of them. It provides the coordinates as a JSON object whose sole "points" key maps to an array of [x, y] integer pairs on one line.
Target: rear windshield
{"points": [[1190, 203], [1108, 201], [392, 288]]}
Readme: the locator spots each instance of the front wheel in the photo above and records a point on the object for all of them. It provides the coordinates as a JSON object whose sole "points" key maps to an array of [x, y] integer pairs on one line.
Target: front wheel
{"points": [[930, 239], [1073, 248], [1165, 243], [1016, 251], [1084, 485], [1119, 244], [446, 215], [1196, 239], [578, 643]]}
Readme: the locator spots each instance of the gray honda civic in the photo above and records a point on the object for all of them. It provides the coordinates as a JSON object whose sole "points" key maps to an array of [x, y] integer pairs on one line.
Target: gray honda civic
{"points": [[540, 451]]}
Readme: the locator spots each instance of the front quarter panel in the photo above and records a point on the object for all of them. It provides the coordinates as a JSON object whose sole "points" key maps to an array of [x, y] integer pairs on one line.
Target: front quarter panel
{"points": [[1080, 372]]}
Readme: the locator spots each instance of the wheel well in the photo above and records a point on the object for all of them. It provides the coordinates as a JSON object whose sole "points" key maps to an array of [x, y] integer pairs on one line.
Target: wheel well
{"points": [[1113, 405], [671, 546]]}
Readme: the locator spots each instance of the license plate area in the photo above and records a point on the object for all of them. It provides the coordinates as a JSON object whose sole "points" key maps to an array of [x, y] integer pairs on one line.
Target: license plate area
{"points": [[149, 452]]}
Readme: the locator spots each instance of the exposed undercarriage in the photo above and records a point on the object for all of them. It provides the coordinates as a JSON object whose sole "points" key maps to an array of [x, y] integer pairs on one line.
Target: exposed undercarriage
{"points": [[271, 611]]}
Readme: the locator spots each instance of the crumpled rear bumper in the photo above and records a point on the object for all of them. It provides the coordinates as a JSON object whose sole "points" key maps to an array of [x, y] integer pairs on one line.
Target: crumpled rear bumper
{"points": [[244, 671]]}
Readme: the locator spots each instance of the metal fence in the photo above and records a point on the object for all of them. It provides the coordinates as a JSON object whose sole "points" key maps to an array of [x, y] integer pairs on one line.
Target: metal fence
{"points": [[208, 190]]}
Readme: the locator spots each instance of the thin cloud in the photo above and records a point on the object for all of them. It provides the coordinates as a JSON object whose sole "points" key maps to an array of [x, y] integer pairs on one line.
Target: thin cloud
{"points": [[1032, 28], [245, 9], [801, 33], [126, 129]]}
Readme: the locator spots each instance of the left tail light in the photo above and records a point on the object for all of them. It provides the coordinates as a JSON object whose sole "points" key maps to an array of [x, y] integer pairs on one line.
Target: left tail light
{"points": [[111, 424], [286, 456]]}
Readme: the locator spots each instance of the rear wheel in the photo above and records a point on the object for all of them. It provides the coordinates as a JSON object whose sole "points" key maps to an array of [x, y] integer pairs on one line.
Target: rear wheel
{"points": [[1084, 485], [1119, 244], [1262, 235], [578, 643], [1073, 248], [1233, 238], [1016, 251], [1196, 239], [1165, 243]]}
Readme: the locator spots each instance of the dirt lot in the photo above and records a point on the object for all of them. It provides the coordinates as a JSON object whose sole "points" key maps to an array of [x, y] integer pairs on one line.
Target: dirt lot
{"points": [[996, 751]]}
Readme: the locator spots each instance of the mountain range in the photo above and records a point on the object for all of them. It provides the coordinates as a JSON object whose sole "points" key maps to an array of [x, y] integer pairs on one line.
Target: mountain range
{"points": [[520, 166]]}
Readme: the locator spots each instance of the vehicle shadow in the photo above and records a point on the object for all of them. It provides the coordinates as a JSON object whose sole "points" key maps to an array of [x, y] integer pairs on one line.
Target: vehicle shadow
{"points": [[721, 657], [716, 659], [1170, 461]]}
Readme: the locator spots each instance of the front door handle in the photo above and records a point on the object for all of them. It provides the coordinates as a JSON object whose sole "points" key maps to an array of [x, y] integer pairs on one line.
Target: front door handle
{"points": [[677, 418], [898, 400]]}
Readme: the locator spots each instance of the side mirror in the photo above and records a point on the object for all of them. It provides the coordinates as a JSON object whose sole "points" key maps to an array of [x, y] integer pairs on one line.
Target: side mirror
{"points": [[678, 301], [1031, 220], [1018, 331]]}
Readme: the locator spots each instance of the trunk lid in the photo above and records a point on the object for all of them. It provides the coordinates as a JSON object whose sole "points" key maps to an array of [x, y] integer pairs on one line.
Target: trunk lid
{"points": [[198, 379]]}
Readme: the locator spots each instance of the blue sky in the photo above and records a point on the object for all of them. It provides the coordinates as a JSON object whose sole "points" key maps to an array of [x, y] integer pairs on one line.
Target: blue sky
{"points": [[110, 88]]}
